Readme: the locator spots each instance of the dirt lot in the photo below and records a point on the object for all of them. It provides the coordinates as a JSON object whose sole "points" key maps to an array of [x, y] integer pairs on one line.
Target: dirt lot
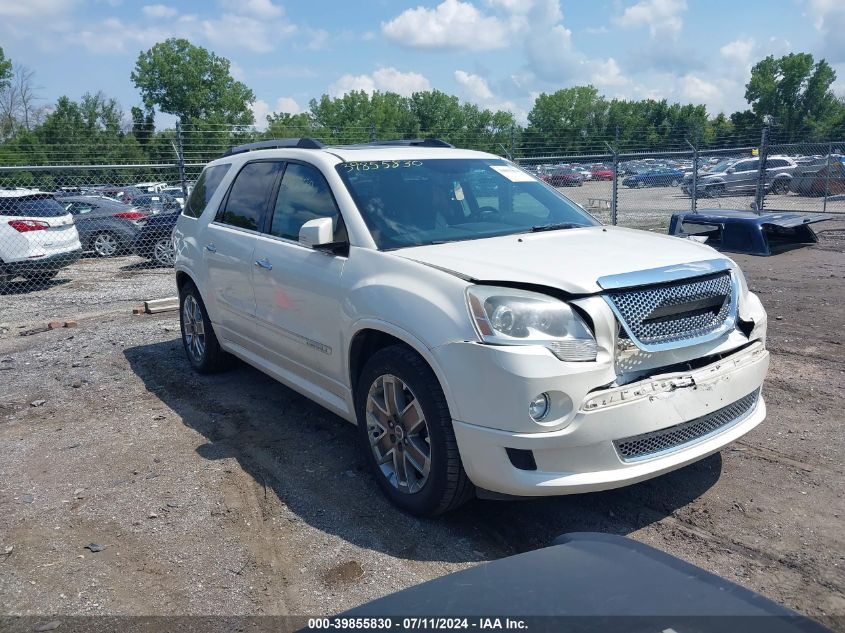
{"points": [[234, 495]]}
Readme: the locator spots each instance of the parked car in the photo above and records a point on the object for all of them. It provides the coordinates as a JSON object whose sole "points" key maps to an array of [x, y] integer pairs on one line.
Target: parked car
{"points": [[564, 178], [820, 176], [151, 187], [654, 178], [372, 280], [37, 236], [155, 203], [584, 582], [106, 227], [154, 241], [176, 193], [741, 176], [602, 173], [586, 174], [121, 194]]}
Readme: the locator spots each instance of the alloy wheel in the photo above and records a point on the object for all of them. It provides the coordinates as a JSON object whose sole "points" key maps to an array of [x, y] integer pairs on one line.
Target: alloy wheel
{"points": [[398, 434], [163, 251], [105, 245], [193, 328]]}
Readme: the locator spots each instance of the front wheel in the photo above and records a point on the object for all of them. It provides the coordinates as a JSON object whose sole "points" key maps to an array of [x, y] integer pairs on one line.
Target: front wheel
{"points": [[201, 345], [407, 436], [780, 186]]}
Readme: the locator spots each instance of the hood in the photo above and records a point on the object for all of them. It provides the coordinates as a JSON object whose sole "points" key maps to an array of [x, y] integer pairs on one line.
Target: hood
{"points": [[571, 259]]}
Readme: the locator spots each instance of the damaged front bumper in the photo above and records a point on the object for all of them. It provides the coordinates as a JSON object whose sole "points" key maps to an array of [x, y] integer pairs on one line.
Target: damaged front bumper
{"points": [[621, 435]]}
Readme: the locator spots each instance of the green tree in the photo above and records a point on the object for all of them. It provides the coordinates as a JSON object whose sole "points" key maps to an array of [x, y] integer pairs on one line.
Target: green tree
{"points": [[191, 83], [5, 70], [796, 91]]}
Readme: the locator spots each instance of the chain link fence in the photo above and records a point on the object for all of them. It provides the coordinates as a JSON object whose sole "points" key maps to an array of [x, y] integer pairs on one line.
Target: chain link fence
{"points": [[76, 235]]}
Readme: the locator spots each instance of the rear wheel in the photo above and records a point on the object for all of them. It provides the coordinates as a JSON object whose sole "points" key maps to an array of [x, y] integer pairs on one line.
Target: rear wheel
{"points": [[780, 185], [163, 252], [675, 182], [407, 436], [641, 184], [105, 244], [201, 345], [5, 278]]}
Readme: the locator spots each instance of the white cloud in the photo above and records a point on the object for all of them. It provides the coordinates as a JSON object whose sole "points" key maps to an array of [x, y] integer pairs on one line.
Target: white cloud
{"points": [[246, 32], [159, 11], [260, 110], [829, 20], [451, 25], [662, 17], [476, 89], [606, 73], [263, 9], [739, 52], [383, 80], [34, 8], [475, 86]]}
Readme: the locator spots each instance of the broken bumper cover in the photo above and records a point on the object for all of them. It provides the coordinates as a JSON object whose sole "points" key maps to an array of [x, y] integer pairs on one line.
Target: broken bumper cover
{"points": [[682, 416]]}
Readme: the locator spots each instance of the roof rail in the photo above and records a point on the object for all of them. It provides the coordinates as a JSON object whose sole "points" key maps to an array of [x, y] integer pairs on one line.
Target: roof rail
{"points": [[429, 141], [276, 143]]}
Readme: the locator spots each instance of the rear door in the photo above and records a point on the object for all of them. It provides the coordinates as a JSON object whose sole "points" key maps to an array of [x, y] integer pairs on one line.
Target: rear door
{"points": [[229, 245], [298, 290]]}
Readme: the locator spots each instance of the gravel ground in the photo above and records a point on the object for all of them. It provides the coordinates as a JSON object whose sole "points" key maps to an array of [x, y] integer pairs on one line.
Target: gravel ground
{"points": [[234, 495]]}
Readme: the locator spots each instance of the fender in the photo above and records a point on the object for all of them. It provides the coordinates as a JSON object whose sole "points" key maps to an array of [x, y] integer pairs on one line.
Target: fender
{"points": [[409, 339]]}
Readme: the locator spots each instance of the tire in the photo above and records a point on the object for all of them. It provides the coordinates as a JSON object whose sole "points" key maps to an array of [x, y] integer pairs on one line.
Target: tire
{"points": [[163, 252], [716, 191], [674, 182], [198, 338], [105, 244], [641, 184], [405, 441], [5, 278], [780, 186]]}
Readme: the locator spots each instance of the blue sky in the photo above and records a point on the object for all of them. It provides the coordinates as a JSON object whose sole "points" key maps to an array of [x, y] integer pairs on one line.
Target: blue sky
{"points": [[497, 53]]}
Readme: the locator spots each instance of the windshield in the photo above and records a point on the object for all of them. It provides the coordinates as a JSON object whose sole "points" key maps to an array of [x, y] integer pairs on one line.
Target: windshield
{"points": [[418, 202]]}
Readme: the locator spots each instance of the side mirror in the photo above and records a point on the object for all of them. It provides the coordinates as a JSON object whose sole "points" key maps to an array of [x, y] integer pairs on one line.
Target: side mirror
{"points": [[730, 170], [316, 232]]}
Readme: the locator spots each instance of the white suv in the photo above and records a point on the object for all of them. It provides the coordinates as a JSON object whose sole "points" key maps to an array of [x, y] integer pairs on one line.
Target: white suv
{"points": [[485, 333], [37, 236]]}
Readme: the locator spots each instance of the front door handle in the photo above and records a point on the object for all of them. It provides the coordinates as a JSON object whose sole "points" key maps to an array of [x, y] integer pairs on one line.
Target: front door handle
{"points": [[264, 263], [211, 248]]}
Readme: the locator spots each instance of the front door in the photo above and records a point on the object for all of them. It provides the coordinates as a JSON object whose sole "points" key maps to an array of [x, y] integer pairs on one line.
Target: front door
{"points": [[298, 289]]}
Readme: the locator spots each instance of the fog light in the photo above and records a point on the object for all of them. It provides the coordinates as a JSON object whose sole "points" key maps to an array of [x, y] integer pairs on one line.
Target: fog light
{"points": [[538, 408]]}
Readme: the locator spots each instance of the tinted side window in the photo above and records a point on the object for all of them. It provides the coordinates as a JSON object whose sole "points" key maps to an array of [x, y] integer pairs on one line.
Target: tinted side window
{"points": [[775, 162], [751, 165], [35, 207], [206, 185], [249, 195], [303, 195]]}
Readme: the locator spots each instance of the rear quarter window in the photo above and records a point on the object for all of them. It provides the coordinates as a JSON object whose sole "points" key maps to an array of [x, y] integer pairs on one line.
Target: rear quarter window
{"points": [[206, 185]]}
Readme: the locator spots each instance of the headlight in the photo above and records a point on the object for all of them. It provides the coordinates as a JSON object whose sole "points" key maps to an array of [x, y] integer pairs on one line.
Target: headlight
{"points": [[506, 316]]}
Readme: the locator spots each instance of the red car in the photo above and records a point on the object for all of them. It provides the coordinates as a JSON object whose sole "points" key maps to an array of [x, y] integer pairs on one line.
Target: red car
{"points": [[602, 173]]}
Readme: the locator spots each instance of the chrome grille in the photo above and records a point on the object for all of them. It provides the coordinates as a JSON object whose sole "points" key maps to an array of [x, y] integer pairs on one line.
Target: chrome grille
{"points": [[682, 435], [677, 311]]}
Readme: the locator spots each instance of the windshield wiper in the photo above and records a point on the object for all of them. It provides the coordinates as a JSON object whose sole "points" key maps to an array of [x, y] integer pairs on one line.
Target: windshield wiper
{"points": [[555, 227]]}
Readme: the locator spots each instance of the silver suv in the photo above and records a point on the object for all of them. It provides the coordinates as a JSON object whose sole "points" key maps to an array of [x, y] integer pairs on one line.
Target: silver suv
{"points": [[733, 176]]}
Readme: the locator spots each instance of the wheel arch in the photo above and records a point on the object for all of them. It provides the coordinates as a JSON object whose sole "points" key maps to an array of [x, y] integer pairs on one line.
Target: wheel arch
{"points": [[371, 336]]}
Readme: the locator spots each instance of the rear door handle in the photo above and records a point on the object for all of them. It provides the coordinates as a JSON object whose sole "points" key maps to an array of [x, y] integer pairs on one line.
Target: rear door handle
{"points": [[264, 263], [211, 248]]}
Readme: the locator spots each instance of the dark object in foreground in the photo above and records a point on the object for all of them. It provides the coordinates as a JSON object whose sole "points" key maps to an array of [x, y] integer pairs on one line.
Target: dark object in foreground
{"points": [[746, 232], [593, 582]]}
